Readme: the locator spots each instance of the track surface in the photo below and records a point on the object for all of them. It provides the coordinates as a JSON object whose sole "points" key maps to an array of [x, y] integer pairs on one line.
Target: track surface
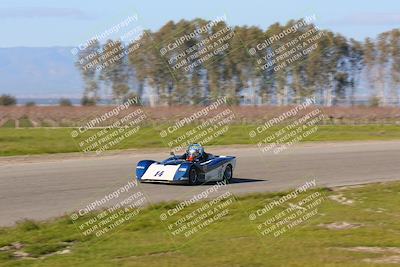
{"points": [[41, 187]]}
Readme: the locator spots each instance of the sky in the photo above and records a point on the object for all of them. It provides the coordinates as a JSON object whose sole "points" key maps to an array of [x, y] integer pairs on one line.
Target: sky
{"points": [[44, 23]]}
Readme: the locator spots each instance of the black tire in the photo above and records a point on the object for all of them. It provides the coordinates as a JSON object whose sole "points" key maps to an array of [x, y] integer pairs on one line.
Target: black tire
{"points": [[228, 173], [193, 177]]}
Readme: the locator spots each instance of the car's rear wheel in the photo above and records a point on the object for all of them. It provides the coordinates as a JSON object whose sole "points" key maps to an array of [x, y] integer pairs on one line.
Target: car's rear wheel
{"points": [[228, 173], [193, 177]]}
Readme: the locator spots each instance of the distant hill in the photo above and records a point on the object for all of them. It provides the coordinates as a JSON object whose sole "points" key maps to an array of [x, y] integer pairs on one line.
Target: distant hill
{"points": [[39, 72]]}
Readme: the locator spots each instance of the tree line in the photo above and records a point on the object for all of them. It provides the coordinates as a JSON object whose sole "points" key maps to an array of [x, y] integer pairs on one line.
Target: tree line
{"points": [[336, 71], [9, 100]]}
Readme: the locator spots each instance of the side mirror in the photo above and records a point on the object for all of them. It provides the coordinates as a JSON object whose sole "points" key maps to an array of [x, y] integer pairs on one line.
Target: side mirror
{"points": [[172, 153]]}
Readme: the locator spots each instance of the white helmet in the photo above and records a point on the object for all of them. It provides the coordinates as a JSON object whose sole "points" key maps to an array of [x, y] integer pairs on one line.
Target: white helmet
{"points": [[194, 151]]}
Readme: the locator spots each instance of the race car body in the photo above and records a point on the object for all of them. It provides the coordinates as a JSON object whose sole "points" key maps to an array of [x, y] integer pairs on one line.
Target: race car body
{"points": [[179, 170]]}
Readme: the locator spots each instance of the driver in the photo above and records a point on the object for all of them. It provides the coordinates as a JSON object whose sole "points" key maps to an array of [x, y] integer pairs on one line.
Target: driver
{"points": [[195, 152]]}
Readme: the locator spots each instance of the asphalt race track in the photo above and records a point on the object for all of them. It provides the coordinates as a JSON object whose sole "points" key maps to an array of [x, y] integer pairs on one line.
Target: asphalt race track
{"points": [[41, 187]]}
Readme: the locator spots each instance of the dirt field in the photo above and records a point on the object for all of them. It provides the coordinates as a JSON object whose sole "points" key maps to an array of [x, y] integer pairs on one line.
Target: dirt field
{"points": [[55, 116]]}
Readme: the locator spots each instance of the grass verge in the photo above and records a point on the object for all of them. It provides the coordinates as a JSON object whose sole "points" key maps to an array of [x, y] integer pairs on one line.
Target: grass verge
{"points": [[233, 240], [25, 141]]}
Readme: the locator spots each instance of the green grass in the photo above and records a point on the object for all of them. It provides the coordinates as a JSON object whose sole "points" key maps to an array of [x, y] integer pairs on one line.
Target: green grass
{"points": [[231, 241], [56, 140]]}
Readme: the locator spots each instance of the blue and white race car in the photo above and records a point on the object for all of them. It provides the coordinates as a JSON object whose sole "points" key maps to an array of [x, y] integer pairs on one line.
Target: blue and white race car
{"points": [[193, 167]]}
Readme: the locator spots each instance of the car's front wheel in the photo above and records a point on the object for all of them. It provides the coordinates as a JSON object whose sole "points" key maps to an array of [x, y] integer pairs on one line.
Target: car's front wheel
{"points": [[228, 173], [193, 177]]}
